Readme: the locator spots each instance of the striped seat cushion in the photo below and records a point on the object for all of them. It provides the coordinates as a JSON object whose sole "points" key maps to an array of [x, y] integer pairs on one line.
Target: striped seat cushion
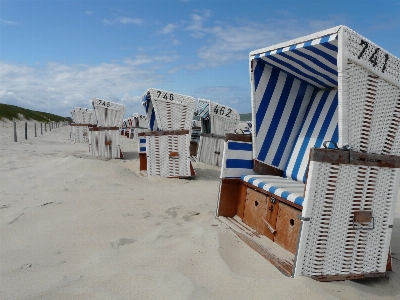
{"points": [[319, 124], [142, 144], [237, 159], [288, 189]]}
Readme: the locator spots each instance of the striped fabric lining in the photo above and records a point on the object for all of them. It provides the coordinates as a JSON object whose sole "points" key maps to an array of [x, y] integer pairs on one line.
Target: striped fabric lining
{"points": [[203, 109], [320, 124], [280, 102], [142, 145], [237, 159], [314, 61], [151, 114], [290, 190]]}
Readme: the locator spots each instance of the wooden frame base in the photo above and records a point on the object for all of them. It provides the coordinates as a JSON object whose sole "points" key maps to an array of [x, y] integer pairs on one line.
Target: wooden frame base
{"points": [[283, 260]]}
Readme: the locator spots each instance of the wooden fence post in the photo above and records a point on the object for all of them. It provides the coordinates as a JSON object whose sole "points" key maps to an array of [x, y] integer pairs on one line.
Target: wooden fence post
{"points": [[35, 130], [50, 126], [15, 131], [41, 128], [26, 130]]}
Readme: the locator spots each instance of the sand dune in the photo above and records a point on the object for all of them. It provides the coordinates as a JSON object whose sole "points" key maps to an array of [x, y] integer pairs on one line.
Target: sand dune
{"points": [[78, 227]]}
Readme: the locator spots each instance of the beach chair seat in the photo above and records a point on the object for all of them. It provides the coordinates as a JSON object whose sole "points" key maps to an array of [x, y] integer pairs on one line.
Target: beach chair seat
{"points": [[284, 188]]}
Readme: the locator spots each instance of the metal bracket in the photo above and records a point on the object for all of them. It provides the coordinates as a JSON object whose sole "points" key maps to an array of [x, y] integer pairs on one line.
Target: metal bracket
{"points": [[303, 219], [365, 228], [325, 144]]}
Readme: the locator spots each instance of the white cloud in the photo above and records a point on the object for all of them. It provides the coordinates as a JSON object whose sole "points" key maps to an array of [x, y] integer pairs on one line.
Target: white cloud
{"points": [[88, 12], [228, 42], [58, 88], [8, 22], [123, 20], [169, 28], [231, 96]]}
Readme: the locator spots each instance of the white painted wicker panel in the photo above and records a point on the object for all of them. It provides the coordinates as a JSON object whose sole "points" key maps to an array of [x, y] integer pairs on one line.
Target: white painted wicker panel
{"points": [[329, 243], [173, 111], [98, 147], [372, 57], [223, 119], [159, 162], [80, 134], [210, 150], [108, 114], [373, 112]]}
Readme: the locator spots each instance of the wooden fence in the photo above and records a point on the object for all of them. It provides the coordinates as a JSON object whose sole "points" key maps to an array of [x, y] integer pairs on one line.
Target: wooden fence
{"points": [[35, 129]]}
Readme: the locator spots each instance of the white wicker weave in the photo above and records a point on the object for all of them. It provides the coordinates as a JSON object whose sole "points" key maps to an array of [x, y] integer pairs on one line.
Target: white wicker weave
{"points": [[81, 117], [330, 242], [160, 163], [221, 120], [105, 142], [173, 111]]}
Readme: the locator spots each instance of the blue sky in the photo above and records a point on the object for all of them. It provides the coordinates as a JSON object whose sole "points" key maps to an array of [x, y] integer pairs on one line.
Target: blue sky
{"points": [[56, 55]]}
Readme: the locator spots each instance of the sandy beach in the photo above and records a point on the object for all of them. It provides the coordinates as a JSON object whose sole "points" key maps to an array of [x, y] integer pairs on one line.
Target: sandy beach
{"points": [[74, 226]]}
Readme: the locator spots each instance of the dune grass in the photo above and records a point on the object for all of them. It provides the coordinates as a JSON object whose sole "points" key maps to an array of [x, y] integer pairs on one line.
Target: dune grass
{"points": [[12, 112], [245, 117]]}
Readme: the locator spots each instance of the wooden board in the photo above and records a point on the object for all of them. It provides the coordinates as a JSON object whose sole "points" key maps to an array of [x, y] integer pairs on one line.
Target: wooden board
{"points": [[357, 158], [193, 148], [299, 207], [283, 260], [287, 227], [241, 201], [229, 197], [265, 169], [142, 162], [238, 137], [255, 211], [164, 132]]}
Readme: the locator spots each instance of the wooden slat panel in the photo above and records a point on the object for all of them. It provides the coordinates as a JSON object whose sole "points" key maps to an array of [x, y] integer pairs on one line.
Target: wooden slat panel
{"points": [[265, 169], [347, 276], [211, 135], [238, 137], [299, 207], [358, 158], [103, 128], [255, 210], [142, 162], [229, 197], [164, 132], [276, 255], [242, 200], [288, 227]]}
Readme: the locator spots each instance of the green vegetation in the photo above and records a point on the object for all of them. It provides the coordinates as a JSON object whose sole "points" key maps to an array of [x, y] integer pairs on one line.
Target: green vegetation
{"points": [[245, 117], [11, 112]]}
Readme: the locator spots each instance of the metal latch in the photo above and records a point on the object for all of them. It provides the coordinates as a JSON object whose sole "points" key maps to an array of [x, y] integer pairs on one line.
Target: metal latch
{"points": [[363, 216], [174, 155]]}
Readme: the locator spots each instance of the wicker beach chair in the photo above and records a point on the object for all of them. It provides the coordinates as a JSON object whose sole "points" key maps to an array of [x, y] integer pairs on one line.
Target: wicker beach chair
{"points": [[167, 143], [216, 121], [104, 139], [313, 189], [139, 124], [83, 118]]}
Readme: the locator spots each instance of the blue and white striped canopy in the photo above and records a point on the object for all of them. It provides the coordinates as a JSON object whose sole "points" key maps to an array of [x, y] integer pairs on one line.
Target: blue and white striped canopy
{"points": [[151, 114], [314, 61], [203, 109]]}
